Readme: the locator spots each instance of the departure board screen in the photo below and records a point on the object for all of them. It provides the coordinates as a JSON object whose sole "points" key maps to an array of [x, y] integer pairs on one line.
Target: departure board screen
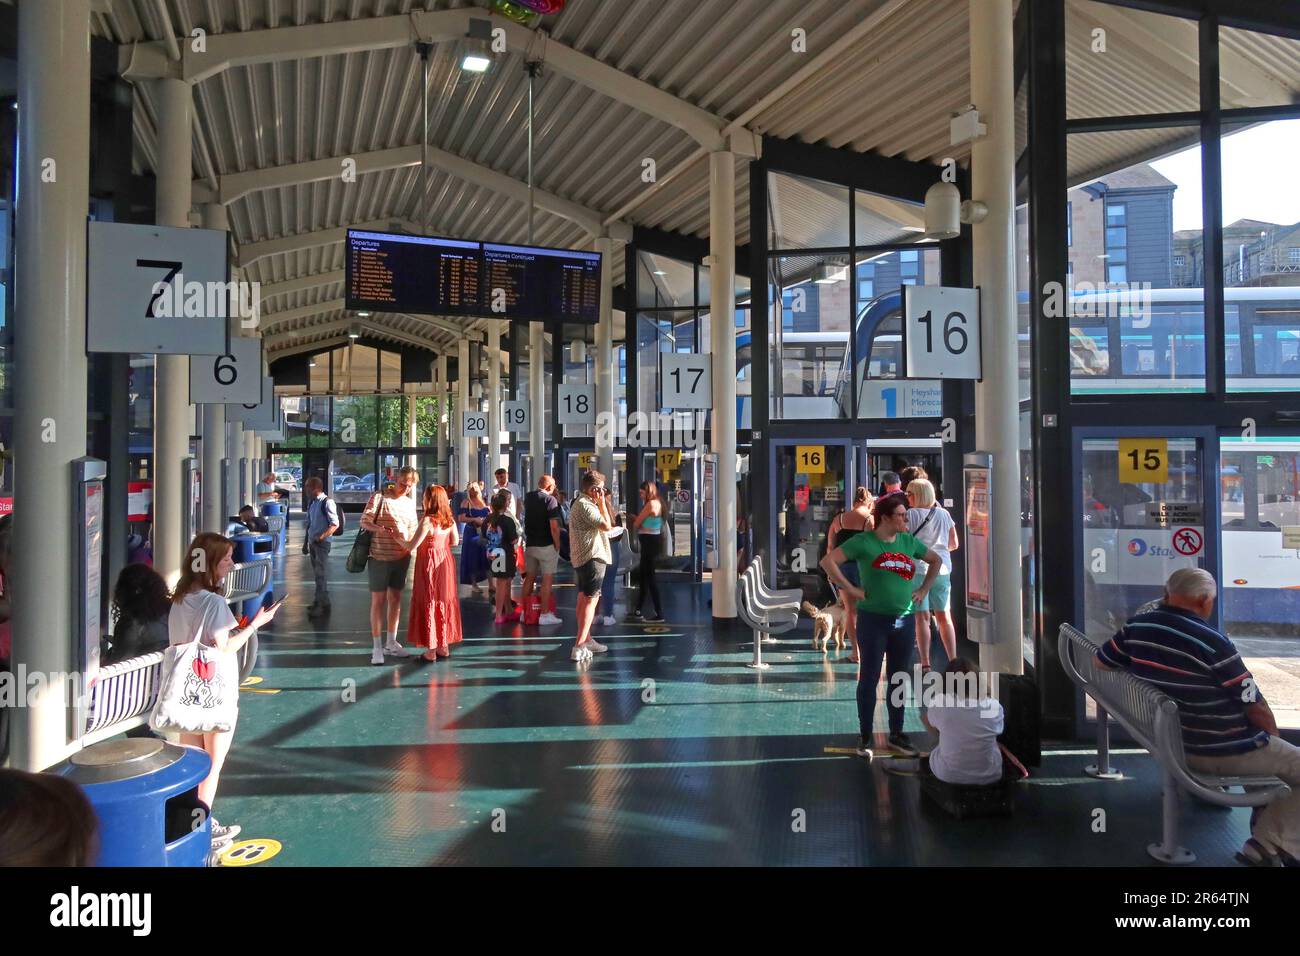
{"points": [[542, 284], [389, 272], [420, 275]]}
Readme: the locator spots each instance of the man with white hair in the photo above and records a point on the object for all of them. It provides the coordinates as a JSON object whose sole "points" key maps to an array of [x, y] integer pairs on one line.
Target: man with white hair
{"points": [[1227, 725]]}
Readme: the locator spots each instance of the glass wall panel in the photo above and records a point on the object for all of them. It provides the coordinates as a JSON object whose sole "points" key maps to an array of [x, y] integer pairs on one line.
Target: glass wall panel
{"points": [[352, 475], [1261, 257], [808, 337], [1260, 591], [879, 220], [1136, 301], [354, 421], [1121, 62], [878, 339], [664, 283], [1257, 69], [1128, 541], [808, 503], [391, 428], [806, 213]]}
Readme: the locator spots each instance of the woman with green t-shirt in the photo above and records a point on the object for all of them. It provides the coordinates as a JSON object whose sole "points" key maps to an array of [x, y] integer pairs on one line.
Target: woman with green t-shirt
{"points": [[886, 558]]}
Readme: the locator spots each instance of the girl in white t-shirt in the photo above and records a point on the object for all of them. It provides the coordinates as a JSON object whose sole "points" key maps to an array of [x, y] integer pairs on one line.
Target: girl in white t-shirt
{"points": [[928, 522], [199, 612]]}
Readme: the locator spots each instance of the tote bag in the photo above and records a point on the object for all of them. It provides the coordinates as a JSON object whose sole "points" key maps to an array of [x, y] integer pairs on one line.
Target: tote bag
{"points": [[199, 691], [360, 552]]}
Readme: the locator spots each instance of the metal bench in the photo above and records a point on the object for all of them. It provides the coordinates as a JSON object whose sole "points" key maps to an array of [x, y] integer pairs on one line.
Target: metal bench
{"points": [[124, 693], [763, 617], [1151, 718]]}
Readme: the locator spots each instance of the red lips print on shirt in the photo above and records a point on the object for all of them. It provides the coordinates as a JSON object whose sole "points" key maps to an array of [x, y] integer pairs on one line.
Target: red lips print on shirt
{"points": [[896, 562]]}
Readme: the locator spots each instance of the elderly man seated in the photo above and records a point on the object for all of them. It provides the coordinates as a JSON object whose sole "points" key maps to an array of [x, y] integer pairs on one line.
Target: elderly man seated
{"points": [[1227, 725]]}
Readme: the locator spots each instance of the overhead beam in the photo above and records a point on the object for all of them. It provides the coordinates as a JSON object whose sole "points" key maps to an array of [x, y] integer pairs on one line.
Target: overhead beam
{"points": [[233, 186], [302, 284], [252, 47], [251, 252], [273, 320]]}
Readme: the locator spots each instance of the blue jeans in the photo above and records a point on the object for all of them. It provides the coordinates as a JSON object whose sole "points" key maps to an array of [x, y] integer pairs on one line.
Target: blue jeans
{"points": [[892, 638], [611, 579]]}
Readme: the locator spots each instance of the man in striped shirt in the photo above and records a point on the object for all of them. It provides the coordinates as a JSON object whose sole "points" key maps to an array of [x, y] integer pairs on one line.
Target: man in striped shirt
{"points": [[1228, 727]]}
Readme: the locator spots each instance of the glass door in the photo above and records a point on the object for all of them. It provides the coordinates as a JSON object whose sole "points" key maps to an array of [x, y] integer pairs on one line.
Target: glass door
{"points": [[1259, 590], [874, 457], [810, 484]]}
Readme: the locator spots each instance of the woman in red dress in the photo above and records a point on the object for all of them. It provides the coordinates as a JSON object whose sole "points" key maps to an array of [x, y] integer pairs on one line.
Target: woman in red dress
{"points": [[435, 610]]}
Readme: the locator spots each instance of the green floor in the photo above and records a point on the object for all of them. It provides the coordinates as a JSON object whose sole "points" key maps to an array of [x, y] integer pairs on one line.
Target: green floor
{"points": [[668, 750]]}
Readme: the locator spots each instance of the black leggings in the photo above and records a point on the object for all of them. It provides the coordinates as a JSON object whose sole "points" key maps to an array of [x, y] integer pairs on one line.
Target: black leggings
{"points": [[651, 545]]}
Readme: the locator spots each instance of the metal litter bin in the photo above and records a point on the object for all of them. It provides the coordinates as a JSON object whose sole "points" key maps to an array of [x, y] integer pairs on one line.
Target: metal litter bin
{"points": [[145, 794]]}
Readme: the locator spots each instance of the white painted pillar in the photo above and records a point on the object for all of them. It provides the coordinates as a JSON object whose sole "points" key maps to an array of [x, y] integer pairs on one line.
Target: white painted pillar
{"points": [[495, 350], [997, 402], [537, 400], [412, 432], [50, 378], [212, 424], [606, 370], [234, 452], [171, 416], [722, 335], [463, 444], [444, 400], [253, 475]]}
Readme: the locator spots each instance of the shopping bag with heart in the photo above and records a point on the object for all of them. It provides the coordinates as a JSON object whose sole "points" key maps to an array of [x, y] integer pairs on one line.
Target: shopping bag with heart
{"points": [[199, 689]]}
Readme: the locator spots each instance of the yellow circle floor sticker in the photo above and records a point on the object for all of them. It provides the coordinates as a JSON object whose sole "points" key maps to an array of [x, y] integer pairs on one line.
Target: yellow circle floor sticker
{"points": [[249, 852], [656, 629]]}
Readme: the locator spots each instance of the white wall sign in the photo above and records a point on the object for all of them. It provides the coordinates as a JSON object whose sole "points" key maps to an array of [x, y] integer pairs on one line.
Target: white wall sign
{"points": [[156, 289], [231, 379], [941, 332], [515, 418], [474, 424], [262, 415], [577, 405], [686, 380]]}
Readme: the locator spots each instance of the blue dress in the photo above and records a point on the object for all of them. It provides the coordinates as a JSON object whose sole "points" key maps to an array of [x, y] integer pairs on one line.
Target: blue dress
{"points": [[473, 552]]}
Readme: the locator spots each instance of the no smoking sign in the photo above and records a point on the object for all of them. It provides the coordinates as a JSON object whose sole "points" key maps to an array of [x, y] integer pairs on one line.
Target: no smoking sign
{"points": [[1188, 541]]}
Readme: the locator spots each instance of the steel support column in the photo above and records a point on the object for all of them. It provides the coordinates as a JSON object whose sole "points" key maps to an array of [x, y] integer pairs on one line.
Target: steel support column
{"points": [[171, 413], [50, 381], [722, 317], [997, 399]]}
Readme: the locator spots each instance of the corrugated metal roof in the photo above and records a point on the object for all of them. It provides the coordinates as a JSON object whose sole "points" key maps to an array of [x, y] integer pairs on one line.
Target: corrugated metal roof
{"points": [[892, 91]]}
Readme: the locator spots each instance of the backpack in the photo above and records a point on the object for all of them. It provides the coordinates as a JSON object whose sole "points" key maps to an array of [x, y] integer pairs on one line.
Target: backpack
{"points": [[343, 522], [492, 535]]}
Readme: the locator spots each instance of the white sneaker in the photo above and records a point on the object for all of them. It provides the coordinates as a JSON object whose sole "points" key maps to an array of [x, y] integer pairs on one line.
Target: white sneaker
{"points": [[548, 619], [580, 654], [378, 656], [608, 620], [595, 646], [397, 650], [224, 835], [214, 855]]}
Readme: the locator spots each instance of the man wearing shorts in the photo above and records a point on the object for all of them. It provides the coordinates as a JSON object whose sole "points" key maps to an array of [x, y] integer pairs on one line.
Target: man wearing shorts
{"points": [[541, 544], [392, 520], [589, 520]]}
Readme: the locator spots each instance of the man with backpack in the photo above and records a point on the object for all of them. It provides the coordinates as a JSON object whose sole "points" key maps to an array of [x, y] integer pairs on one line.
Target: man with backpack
{"points": [[323, 522]]}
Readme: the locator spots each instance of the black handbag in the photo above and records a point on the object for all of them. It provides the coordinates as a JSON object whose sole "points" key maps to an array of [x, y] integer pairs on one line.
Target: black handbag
{"points": [[360, 552]]}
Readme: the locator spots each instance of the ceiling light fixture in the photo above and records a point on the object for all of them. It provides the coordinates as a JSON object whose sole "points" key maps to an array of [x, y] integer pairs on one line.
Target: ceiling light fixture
{"points": [[477, 57]]}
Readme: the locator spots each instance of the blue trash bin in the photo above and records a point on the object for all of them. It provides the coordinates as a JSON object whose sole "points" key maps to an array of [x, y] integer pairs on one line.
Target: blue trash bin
{"points": [[253, 547], [277, 509], [145, 794]]}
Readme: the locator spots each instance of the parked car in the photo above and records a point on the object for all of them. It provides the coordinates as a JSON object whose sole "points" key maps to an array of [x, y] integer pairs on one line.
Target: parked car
{"points": [[284, 479]]}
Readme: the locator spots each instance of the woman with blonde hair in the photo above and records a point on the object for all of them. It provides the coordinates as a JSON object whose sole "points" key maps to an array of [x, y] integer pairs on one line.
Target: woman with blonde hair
{"points": [[435, 610], [844, 526], [199, 612], [930, 524], [474, 514]]}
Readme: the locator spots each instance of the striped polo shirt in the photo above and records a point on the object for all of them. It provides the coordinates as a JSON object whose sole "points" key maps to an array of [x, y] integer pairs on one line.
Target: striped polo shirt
{"points": [[1199, 669], [396, 513]]}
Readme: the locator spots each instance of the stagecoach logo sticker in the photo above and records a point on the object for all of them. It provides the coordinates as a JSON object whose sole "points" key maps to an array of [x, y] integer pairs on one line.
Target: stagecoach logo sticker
{"points": [[1137, 547], [896, 562]]}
